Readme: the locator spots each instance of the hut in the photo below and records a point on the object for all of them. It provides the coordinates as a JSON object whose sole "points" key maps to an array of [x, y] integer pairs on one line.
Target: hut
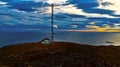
{"points": [[46, 41]]}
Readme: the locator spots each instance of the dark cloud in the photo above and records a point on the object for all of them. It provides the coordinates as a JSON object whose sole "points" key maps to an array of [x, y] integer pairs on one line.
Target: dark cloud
{"points": [[100, 11], [84, 3], [27, 5], [23, 5]]}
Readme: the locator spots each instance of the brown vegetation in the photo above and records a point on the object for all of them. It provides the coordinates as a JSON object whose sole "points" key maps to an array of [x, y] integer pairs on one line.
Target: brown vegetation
{"points": [[59, 54]]}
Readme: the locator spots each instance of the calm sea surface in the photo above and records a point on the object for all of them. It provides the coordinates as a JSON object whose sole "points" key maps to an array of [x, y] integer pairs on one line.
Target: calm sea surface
{"points": [[8, 38]]}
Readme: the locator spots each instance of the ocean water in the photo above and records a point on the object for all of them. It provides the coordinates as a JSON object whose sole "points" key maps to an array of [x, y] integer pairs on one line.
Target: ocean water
{"points": [[90, 38]]}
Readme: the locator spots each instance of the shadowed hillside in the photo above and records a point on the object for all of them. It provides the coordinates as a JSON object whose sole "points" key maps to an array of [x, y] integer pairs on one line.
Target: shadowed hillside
{"points": [[59, 54]]}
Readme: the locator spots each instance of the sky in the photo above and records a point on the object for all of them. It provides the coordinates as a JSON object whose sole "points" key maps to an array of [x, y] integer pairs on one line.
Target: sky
{"points": [[35, 15]]}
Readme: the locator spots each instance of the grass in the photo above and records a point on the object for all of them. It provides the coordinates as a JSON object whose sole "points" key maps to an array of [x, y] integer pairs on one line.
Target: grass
{"points": [[59, 54]]}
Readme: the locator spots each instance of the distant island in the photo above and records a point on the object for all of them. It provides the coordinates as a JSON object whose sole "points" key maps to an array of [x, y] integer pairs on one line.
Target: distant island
{"points": [[59, 54]]}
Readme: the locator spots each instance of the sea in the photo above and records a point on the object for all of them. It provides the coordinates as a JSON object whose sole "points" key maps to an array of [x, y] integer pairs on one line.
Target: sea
{"points": [[89, 38]]}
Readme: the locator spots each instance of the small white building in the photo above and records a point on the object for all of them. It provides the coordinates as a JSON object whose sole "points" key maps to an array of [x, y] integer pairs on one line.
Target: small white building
{"points": [[46, 41]]}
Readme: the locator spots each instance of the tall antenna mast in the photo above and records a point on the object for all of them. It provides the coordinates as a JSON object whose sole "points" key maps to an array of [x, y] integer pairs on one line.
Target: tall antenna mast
{"points": [[52, 22], [47, 40]]}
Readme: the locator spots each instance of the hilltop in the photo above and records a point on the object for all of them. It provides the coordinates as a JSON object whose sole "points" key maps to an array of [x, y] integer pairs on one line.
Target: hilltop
{"points": [[59, 54]]}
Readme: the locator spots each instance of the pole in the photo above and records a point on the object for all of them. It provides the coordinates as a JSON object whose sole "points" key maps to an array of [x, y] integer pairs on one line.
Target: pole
{"points": [[52, 22]]}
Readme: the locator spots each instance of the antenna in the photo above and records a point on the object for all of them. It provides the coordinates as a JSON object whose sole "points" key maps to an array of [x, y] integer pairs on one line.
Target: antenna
{"points": [[47, 40], [52, 22]]}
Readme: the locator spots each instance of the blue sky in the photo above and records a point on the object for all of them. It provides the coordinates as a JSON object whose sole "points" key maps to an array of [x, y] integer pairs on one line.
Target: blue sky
{"points": [[34, 15]]}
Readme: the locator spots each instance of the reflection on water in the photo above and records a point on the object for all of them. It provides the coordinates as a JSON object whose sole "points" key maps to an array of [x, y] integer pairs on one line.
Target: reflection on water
{"points": [[92, 38], [7, 38]]}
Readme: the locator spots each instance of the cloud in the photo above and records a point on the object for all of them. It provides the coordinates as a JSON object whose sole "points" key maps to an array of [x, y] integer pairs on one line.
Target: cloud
{"points": [[37, 13], [2, 3], [77, 5], [50, 1], [31, 5], [16, 17], [72, 9], [57, 2], [44, 1], [105, 27], [113, 5]]}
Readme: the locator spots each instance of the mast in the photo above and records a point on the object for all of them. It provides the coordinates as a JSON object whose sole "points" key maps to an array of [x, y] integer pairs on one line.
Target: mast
{"points": [[52, 22]]}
